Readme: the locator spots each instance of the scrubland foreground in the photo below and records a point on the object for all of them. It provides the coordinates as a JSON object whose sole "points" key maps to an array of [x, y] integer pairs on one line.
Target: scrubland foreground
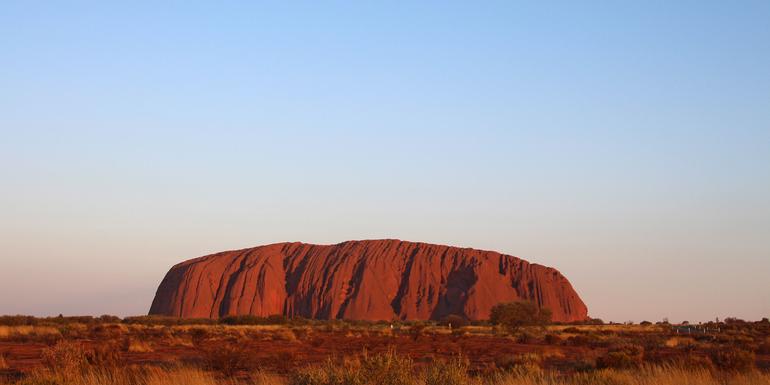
{"points": [[145, 350]]}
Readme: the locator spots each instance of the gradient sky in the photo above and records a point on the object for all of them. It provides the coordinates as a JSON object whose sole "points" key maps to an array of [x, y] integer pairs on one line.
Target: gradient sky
{"points": [[626, 145]]}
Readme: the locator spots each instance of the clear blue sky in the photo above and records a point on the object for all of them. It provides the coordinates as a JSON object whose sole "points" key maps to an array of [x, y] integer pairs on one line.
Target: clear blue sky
{"points": [[627, 144]]}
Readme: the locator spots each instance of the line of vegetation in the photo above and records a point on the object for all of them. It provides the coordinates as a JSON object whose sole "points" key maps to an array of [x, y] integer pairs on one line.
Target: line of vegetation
{"points": [[76, 350], [68, 364]]}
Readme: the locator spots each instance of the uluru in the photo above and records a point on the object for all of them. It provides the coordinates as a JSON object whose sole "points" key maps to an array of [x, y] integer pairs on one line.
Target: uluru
{"points": [[361, 280]]}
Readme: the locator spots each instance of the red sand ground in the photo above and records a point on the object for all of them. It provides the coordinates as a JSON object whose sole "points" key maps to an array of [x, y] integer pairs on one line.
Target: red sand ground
{"points": [[284, 356]]}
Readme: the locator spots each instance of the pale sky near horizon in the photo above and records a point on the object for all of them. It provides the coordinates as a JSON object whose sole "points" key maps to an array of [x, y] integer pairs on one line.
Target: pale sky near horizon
{"points": [[627, 145]]}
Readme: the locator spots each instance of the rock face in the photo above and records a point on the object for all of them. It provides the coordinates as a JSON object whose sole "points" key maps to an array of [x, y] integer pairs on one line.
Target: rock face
{"points": [[361, 280]]}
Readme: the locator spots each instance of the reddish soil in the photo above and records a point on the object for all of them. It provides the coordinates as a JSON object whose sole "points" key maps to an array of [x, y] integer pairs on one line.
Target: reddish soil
{"points": [[283, 356], [277, 354]]}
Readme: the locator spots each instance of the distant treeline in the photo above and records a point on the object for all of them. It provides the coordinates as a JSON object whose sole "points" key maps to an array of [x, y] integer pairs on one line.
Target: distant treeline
{"points": [[453, 320], [21, 320]]}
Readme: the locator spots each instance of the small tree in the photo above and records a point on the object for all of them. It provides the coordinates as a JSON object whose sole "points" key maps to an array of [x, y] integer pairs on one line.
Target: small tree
{"points": [[514, 315]]}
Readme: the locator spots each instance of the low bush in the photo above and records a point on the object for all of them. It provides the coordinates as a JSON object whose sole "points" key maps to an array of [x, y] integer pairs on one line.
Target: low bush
{"points": [[285, 335], [622, 357], [283, 361], [690, 361], [74, 331], [588, 340], [62, 320], [526, 336], [454, 321], [107, 331], [198, 335], [388, 369], [155, 320], [26, 333], [382, 369], [133, 345], [552, 339], [653, 341], [243, 320], [514, 315], [253, 320], [106, 318], [459, 333], [65, 358], [580, 365], [18, 320], [452, 372], [416, 330], [764, 347], [733, 359], [512, 362], [227, 358], [326, 374], [104, 355]]}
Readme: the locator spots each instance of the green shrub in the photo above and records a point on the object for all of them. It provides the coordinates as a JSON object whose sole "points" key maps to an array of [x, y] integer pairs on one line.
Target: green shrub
{"points": [[514, 315], [276, 319]]}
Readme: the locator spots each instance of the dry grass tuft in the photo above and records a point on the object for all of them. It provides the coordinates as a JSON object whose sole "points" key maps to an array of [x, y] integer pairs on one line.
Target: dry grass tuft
{"points": [[389, 369], [645, 376], [180, 376], [66, 359], [285, 335], [227, 357], [136, 346], [13, 332], [678, 341], [260, 378]]}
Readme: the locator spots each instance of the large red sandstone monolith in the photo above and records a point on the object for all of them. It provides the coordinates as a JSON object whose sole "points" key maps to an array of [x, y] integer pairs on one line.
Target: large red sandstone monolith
{"points": [[361, 280]]}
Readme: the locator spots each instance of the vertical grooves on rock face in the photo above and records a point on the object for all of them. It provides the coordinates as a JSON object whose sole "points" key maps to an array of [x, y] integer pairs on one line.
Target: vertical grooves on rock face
{"points": [[383, 279], [404, 282], [212, 313], [185, 290], [231, 279], [352, 286], [293, 276]]}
